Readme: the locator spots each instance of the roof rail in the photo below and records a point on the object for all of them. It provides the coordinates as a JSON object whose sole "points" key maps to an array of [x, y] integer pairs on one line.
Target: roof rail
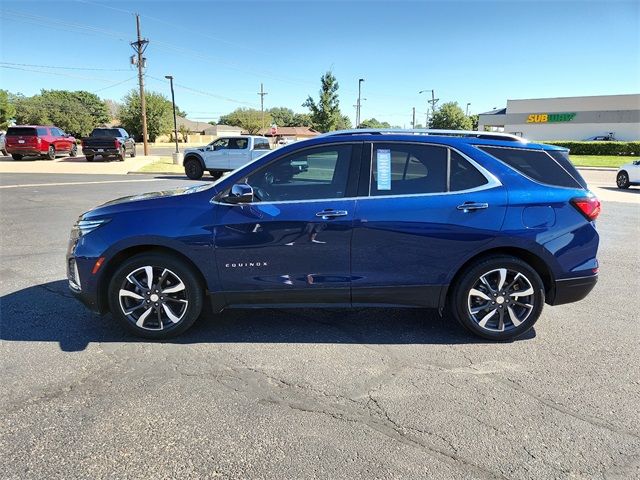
{"points": [[427, 131]]}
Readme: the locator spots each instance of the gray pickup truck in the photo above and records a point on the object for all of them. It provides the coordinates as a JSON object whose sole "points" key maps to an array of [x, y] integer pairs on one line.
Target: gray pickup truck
{"points": [[108, 142]]}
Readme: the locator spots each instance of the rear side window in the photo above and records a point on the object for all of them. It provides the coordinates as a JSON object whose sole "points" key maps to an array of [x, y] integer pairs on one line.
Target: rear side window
{"points": [[43, 131], [562, 157], [261, 144], [405, 169], [464, 176], [21, 131], [535, 164]]}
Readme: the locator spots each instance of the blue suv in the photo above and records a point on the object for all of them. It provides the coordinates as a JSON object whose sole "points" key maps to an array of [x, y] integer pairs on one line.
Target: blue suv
{"points": [[485, 227]]}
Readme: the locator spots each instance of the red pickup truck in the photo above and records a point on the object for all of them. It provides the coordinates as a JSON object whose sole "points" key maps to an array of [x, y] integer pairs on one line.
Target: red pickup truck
{"points": [[43, 141]]}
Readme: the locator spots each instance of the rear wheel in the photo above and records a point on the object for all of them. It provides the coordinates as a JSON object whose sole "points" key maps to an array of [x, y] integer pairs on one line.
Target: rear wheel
{"points": [[498, 298], [74, 150], [622, 180], [89, 158], [51, 153], [15, 156], [155, 296], [216, 174], [121, 154], [193, 168]]}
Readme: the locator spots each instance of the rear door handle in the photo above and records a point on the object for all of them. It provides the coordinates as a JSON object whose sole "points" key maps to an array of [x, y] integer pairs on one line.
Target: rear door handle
{"points": [[471, 206], [328, 214]]}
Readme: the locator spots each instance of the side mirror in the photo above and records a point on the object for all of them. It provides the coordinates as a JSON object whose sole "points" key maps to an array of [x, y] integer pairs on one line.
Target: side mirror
{"points": [[240, 193]]}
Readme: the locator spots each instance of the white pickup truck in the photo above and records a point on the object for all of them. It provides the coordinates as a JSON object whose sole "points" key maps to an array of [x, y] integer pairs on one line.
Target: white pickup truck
{"points": [[223, 155]]}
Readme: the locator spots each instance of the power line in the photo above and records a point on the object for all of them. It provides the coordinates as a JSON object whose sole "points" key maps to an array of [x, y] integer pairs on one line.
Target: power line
{"points": [[115, 84], [57, 67], [202, 92], [60, 74]]}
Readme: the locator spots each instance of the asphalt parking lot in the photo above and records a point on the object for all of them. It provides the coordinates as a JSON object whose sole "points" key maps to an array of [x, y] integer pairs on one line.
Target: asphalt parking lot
{"points": [[367, 393]]}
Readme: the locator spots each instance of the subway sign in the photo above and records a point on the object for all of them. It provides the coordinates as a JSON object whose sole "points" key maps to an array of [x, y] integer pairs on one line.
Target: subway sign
{"points": [[550, 117]]}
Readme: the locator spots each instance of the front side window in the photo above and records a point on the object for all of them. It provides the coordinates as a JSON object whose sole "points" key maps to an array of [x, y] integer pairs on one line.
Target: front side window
{"points": [[405, 169], [315, 173], [220, 144]]}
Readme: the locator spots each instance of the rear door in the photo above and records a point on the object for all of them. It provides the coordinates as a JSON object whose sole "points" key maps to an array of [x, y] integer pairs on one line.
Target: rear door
{"points": [[293, 244], [238, 152], [424, 210]]}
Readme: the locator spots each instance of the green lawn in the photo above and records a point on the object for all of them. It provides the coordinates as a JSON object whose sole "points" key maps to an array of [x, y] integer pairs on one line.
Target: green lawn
{"points": [[600, 160], [163, 165]]}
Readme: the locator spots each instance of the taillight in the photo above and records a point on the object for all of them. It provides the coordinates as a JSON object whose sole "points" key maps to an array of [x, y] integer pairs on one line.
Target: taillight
{"points": [[589, 206], [117, 142], [39, 140]]}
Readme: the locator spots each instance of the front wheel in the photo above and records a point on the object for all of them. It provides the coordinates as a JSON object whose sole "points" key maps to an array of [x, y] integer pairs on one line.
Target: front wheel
{"points": [[132, 153], [622, 180], [121, 154], [155, 296], [498, 298], [193, 169]]}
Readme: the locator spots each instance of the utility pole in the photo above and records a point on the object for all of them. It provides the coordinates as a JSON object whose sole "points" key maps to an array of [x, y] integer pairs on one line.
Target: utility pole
{"points": [[175, 120], [413, 122], [468, 109], [359, 104], [262, 93], [433, 101], [139, 47]]}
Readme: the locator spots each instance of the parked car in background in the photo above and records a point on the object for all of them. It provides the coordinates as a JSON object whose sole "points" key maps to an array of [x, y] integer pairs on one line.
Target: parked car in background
{"points": [[602, 138], [487, 227], [2, 149], [628, 175], [224, 155], [39, 140], [108, 142]]}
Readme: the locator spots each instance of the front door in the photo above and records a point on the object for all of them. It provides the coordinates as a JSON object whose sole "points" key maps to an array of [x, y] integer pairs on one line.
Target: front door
{"points": [[427, 208], [216, 154], [292, 244]]}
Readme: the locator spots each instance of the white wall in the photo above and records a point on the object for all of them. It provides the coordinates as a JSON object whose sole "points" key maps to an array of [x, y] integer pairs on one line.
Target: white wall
{"points": [[575, 104], [575, 131]]}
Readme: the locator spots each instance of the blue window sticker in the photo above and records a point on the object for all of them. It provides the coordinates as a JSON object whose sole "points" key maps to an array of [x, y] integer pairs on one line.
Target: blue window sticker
{"points": [[383, 163]]}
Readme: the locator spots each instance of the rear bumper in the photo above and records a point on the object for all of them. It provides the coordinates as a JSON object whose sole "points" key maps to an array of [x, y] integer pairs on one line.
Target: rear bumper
{"points": [[23, 150], [571, 290], [95, 151]]}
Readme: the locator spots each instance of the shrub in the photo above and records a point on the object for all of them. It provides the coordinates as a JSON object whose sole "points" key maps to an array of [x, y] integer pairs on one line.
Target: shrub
{"points": [[599, 148]]}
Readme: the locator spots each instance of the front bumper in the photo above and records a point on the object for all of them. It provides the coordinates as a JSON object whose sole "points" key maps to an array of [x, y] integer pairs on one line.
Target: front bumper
{"points": [[82, 284], [571, 290]]}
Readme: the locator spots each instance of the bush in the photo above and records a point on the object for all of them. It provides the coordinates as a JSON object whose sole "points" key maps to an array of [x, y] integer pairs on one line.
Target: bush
{"points": [[599, 148]]}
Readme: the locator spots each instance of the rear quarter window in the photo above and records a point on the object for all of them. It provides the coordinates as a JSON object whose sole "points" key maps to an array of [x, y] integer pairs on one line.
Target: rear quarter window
{"points": [[535, 164]]}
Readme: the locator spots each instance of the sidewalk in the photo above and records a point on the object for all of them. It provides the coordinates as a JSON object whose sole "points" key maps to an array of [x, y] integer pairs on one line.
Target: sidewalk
{"points": [[75, 165]]}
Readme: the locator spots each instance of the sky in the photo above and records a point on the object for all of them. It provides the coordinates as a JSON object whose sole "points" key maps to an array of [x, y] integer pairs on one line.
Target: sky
{"points": [[477, 52]]}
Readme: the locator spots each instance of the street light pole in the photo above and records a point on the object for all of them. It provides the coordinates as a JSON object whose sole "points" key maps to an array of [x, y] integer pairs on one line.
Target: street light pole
{"points": [[468, 109], [360, 80], [175, 119]]}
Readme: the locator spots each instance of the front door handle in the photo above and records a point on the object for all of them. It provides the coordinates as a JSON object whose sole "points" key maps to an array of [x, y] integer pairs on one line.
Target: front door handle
{"points": [[328, 214], [467, 207]]}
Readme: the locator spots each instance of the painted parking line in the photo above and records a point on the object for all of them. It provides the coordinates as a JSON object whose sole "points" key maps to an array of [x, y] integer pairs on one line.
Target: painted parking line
{"points": [[62, 184]]}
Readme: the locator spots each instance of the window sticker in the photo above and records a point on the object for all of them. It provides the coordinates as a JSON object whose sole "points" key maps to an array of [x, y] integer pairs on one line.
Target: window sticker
{"points": [[383, 162]]}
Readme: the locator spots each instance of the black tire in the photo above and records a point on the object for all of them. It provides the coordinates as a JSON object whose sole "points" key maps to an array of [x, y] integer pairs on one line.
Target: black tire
{"points": [[16, 156], [216, 174], [193, 168], [89, 158], [622, 180], [192, 293], [5, 153], [132, 153], [501, 304], [74, 150], [122, 152], [51, 153]]}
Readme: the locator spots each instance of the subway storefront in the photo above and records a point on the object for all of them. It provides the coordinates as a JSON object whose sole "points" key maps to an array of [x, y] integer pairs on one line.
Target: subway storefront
{"points": [[568, 118]]}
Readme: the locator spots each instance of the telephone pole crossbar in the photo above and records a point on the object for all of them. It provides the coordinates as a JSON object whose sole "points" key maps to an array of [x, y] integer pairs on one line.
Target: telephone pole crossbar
{"points": [[139, 46]]}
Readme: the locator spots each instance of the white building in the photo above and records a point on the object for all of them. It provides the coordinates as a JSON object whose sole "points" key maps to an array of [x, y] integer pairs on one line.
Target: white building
{"points": [[568, 118]]}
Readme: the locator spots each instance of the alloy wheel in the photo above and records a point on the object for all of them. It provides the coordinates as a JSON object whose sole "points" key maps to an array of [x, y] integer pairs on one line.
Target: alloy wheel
{"points": [[153, 298], [501, 300], [622, 180]]}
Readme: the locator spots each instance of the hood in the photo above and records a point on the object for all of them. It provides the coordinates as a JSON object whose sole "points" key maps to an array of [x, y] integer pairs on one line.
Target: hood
{"points": [[131, 202]]}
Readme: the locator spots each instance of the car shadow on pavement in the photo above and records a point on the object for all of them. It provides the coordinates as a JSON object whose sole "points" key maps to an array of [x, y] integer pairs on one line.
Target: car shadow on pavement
{"points": [[632, 190], [49, 313]]}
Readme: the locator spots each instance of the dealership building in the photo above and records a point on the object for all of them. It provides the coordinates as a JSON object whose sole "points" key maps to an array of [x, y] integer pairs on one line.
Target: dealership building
{"points": [[567, 118]]}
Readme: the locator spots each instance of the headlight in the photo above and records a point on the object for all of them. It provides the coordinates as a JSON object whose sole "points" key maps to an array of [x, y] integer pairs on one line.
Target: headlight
{"points": [[86, 226]]}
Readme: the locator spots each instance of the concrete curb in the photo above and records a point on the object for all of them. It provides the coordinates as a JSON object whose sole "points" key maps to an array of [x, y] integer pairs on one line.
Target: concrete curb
{"points": [[603, 169], [156, 173]]}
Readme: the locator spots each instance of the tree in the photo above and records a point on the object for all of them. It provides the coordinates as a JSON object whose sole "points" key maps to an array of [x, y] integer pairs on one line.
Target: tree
{"points": [[282, 116], [76, 112], [184, 131], [373, 123], [326, 115], [7, 110], [343, 123], [450, 117], [249, 119], [302, 120], [159, 114], [474, 121]]}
